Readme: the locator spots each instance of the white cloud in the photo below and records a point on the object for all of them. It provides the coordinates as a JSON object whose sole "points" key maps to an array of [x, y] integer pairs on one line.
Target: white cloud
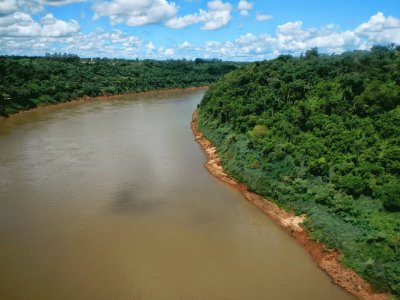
{"points": [[23, 35], [61, 2], [334, 42], [169, 52], [30, 6], [54, 27], [166, 51], [185, 45], [293, 38], [21, 24], [8, 6], [380, 29], [150, 47], [135, 12], [107, 44], [94, 44], [182, 22], [289, 38], [262, 17], [292, 31], [244, 7], [217, 16]]}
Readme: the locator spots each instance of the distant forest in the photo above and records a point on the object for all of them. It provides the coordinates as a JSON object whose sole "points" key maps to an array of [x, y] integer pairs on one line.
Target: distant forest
{"points": [[29, 82], [320, 135]]}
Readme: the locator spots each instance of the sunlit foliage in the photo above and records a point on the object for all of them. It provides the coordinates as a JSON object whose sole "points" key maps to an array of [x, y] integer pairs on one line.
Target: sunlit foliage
{"points": [[320, 134], [28, 82]]}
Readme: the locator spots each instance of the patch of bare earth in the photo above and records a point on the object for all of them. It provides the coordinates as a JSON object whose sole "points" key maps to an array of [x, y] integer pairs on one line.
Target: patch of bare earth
{"points": [[327, 260]]}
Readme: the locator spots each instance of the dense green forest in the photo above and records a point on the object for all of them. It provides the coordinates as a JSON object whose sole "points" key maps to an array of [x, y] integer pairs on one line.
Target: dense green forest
{"points": [[320, 135], [28, 82]]}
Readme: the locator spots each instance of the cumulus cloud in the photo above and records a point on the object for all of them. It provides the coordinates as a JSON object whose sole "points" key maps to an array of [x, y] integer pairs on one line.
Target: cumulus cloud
{"points": [[21, 34], [135, 12], [21, 24], [93, 44], [61, 2], [30, 6], [150, 47], [217, 16], [169, 52], [292, 31], [185, 45], [182, 22], [262, 17], [166, 51], [293, 38], [380, 29], [8, 6], [54, 27], [244, 7], [100, 43]]}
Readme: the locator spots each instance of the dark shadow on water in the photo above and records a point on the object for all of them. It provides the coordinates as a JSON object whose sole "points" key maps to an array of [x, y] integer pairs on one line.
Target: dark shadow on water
{"points": [[129, 202], [201, 217]]}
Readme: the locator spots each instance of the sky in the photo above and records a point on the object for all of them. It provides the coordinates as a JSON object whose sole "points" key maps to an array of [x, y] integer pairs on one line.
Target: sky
{"points": [[237, 30]]}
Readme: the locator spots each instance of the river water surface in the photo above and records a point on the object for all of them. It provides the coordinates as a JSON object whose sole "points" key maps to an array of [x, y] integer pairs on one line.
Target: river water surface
{"points": [[110, 200]]}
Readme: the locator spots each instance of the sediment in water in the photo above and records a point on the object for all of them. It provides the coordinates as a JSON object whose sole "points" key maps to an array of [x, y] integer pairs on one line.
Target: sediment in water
{"points": [[327, 259]]}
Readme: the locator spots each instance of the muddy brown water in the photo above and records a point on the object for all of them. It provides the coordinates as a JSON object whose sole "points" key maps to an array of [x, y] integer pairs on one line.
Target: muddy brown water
{"points": [[110, 200]]}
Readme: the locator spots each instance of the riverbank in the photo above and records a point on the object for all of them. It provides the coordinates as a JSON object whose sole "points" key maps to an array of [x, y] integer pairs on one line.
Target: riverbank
{"points": [[327, 260], [104, 98]]}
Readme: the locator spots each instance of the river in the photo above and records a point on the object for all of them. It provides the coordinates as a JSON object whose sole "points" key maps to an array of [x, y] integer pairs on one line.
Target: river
{"points": [[109, 199]]}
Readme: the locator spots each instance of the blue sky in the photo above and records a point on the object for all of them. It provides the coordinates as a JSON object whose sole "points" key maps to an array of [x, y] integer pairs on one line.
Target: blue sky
{"points": [[163, 29]]}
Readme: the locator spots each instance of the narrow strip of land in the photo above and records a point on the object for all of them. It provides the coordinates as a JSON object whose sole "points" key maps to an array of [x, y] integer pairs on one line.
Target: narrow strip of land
{"points": [[326, 259], [86, 99]]}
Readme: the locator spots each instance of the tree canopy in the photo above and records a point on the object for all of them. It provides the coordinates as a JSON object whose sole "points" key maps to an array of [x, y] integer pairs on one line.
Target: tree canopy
{"points": [[28, 82], [320, 134]]}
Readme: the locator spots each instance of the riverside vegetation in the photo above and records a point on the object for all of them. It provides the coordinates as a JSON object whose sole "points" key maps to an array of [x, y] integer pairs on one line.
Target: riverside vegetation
{"points": [[316, 134], [29, 82], [320, 135]]}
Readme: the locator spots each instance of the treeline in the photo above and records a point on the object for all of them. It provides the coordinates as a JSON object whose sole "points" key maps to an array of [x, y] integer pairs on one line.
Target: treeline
{"points": [[320, 134], [28, 82]]}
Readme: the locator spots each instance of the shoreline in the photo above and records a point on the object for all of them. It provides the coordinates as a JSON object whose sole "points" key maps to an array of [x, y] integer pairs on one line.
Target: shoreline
{"points": [[326, 259], [102, 98]]}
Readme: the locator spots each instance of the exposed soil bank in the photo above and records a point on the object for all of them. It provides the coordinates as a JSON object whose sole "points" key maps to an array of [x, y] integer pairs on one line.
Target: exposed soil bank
{"points": [[326, 259], [105, 98]]}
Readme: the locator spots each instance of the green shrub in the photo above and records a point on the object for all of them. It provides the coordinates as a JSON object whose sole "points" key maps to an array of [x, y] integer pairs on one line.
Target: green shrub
{"points": [[320, 135]]}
